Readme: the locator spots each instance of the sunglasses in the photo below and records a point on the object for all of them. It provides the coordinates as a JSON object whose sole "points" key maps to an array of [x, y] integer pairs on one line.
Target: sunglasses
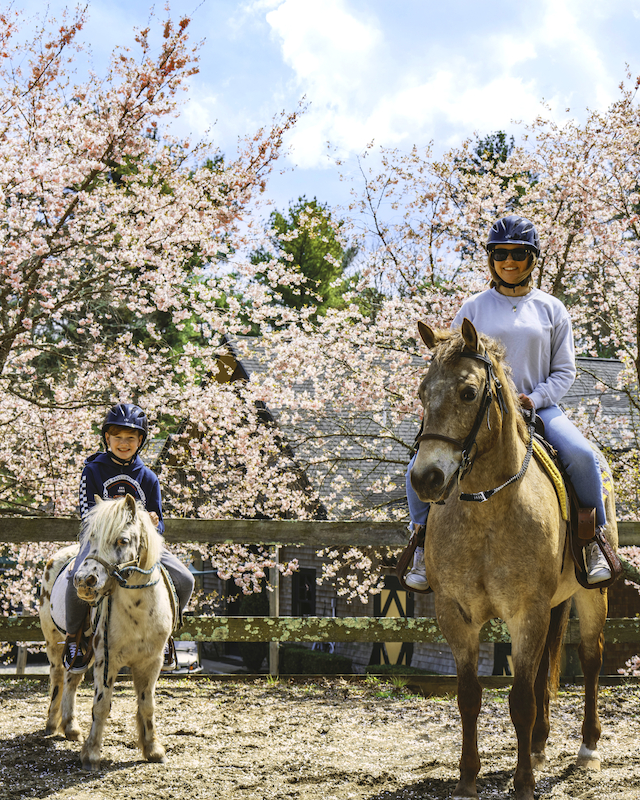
{"points": [[519, 254]]}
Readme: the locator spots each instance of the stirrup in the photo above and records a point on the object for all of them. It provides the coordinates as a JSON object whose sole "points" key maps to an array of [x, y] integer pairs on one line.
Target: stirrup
{"points": [[405, 561], [170, 659], [69, 660]]}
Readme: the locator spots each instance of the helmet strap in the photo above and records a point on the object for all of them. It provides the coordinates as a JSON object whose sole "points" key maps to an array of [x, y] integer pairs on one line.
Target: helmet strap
{"points": [[123, 461]]}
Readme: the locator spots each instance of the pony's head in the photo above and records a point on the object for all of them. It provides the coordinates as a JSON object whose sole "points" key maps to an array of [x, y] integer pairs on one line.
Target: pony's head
{"points": [[468, 398], [120, 532]]}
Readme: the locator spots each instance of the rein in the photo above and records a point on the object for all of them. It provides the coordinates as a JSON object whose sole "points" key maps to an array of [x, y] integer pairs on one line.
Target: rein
{"points": [[466, 459]]}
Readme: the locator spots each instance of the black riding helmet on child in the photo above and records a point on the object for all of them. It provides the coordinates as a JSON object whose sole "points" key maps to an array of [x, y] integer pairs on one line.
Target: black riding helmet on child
{"points": [[125, 415], [513, 230]]}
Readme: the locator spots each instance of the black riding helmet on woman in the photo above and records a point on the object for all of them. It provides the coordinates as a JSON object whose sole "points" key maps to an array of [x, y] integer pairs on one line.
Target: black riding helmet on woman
{"points": [[512, 230]]}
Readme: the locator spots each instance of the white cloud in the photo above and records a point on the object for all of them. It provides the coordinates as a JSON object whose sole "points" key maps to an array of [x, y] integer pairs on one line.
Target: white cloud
{"points": [[362, 85]]}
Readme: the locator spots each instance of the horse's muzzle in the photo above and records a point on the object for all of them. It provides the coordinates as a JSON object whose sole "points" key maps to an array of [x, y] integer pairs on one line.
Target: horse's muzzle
{"points": [[431, 485]]}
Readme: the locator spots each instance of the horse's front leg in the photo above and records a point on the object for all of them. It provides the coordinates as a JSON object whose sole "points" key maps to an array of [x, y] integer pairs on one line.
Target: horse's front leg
{"points": [[528, 638], [591, 605], [103, 691], [463, 638], [144, 680]]}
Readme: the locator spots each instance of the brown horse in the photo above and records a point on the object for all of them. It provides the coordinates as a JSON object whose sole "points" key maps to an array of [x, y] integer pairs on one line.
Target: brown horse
{"points": [[506, 557]]}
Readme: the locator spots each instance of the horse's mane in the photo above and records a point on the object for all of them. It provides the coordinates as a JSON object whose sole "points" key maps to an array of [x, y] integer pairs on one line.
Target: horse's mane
{"points": [[447, 353], [106, 520]]}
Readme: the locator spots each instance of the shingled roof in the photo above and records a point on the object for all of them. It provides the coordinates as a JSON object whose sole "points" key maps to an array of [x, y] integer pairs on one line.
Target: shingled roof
{"points": [[373, 454]]}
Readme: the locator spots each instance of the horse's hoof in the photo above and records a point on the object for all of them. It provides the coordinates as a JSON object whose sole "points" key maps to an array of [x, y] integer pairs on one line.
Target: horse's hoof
{"points": [[91, 766], [538, 760], [589, 759]]}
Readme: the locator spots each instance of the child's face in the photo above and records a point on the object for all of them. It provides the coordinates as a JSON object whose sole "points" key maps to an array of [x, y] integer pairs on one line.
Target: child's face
{"points": [[123, 442]]}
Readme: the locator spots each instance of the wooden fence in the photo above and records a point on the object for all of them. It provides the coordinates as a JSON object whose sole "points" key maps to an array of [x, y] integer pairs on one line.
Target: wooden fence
{"points": [[287, 629]]}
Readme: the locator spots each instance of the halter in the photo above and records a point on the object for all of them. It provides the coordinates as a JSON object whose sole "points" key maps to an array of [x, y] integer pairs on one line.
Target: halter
{"points": [[116, 570], [466, 459]]}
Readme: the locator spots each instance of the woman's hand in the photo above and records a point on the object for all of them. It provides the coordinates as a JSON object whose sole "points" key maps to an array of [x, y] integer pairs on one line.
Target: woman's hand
{"points": [[525, 402], [154, 518]]}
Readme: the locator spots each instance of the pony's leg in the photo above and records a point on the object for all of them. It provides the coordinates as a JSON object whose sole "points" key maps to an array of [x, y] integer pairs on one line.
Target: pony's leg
{"points": [[69, 720], [547, 680], [56, 687], [144, 681], [528, 638], [591, 605], [103, 691]]}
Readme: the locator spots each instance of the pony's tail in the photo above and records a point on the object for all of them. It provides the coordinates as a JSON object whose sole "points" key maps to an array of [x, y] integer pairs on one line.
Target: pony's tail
{"points": [[555, 638]]}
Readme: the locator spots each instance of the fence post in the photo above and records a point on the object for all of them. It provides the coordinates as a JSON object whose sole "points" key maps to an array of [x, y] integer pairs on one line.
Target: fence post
{"points": [[274, 611], [21, 658]]}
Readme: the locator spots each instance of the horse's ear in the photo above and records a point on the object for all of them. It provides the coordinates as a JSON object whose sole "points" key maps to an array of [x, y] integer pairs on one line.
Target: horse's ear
{"points": [[131, 504], [98, 499], [430, 336], [470, 336]]}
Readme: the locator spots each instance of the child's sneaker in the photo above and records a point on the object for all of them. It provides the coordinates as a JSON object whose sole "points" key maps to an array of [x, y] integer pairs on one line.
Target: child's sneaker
{"points": [[170, 659], [77, 655]]}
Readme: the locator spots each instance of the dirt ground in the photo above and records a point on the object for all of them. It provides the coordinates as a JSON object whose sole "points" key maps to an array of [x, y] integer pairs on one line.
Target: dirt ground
{"points": [[326, 740]]}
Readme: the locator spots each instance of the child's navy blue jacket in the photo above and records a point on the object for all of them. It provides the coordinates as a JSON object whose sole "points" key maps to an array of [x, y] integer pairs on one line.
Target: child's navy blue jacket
{"points": [[103, 477]]}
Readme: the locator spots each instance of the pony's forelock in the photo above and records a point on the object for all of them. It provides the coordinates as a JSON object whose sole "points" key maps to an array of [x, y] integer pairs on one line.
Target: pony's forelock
{"points": [[106, 520]]}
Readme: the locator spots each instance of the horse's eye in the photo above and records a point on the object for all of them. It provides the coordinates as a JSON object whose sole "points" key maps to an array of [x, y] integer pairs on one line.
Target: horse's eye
{"points": [[469, 393], [123, 541]]}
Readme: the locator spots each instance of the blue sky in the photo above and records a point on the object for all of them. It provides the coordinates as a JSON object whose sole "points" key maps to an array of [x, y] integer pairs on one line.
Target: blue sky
{"points": [[400, 72]]}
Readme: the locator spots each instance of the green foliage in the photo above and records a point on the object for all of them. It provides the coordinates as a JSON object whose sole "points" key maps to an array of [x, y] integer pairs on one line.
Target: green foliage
{"points": [[299, 660], [307, 240]]}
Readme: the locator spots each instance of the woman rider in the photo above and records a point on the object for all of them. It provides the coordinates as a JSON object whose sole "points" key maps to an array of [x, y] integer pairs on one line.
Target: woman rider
{"points": [[535, 329]]}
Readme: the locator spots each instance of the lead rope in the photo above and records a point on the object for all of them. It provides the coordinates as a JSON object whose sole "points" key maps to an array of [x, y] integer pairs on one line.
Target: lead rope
{"points": [[481, 497]]}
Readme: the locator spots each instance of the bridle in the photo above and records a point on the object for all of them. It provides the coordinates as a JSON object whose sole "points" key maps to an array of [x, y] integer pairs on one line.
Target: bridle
{"points": [[466, 459], [116, 571]]}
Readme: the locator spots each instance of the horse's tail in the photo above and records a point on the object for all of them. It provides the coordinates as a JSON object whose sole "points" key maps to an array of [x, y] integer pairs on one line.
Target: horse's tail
{"points": [[555, 638]]}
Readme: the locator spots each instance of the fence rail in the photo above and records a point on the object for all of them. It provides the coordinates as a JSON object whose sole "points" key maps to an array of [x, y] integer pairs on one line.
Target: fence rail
{"points": [[325, 629], [16, 530], [288, 629]]}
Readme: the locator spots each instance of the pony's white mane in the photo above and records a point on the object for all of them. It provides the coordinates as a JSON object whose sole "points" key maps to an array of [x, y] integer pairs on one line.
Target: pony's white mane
{"points": [[106, 520]]}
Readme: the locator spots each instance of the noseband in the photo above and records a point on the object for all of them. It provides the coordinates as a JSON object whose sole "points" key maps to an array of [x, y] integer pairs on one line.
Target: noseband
{"points": [[466, 459], [116, 570]]}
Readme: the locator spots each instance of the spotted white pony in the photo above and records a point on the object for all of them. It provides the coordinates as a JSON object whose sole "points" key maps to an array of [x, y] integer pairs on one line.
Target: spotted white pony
{"points": [[133, 614]]}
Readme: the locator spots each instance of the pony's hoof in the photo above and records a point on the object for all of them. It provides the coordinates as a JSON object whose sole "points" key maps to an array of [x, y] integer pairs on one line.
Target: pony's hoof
{"points": [[73, 734], [155, 753], [538, 760], [91, 766], [589, 759]]}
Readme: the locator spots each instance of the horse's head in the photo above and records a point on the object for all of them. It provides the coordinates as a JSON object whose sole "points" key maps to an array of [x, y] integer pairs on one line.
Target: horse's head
{"points": [[465, 394], [121, 533]]}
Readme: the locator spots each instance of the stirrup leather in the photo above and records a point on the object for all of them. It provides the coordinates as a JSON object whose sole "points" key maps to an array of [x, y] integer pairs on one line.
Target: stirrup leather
{"points": [[406, 559]]}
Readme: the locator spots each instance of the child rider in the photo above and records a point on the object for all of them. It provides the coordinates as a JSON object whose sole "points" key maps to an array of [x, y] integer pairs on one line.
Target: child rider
{"points": [[111, 475]]}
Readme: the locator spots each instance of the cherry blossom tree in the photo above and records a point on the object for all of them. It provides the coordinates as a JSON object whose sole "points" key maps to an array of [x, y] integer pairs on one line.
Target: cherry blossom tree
{"points": [[107, 217]]}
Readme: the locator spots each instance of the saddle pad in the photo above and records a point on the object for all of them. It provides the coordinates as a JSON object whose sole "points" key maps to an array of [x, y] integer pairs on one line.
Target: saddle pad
{"points": [[554, 474], [58, 598]]}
